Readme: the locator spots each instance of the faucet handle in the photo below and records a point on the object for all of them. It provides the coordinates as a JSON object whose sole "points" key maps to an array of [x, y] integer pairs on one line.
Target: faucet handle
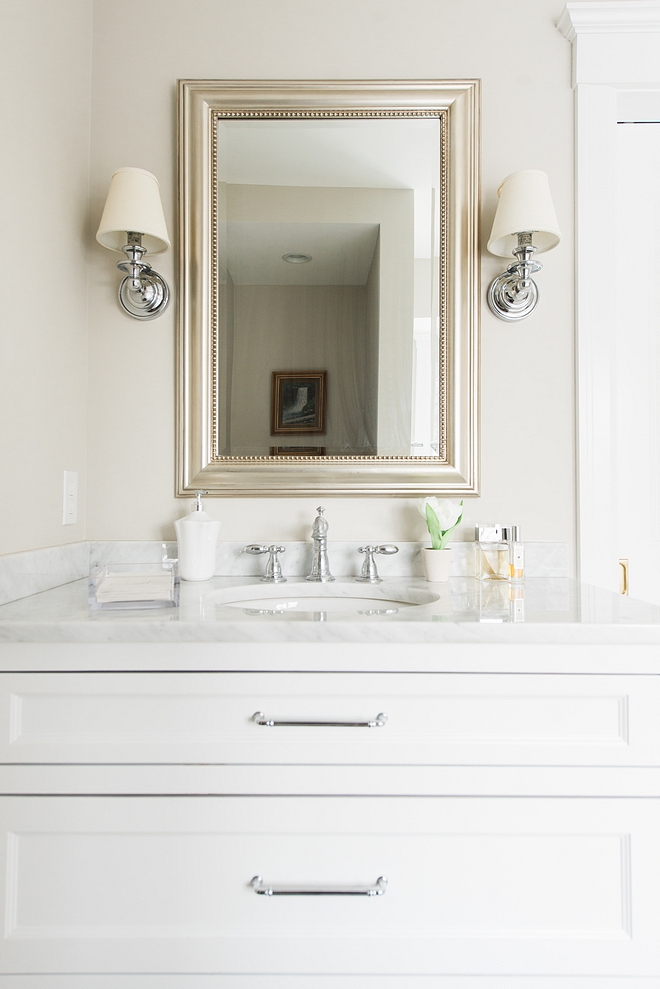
{"points": [[387, 549], [320, 527], [369, 573], [273, 574]]}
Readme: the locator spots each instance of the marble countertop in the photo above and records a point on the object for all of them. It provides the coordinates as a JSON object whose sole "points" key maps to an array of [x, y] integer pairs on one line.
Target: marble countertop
{"points": [[465, 610]]}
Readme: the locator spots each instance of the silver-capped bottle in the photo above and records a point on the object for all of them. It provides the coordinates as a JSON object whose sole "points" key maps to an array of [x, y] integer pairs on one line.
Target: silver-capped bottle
{"points": [[516, 554]]}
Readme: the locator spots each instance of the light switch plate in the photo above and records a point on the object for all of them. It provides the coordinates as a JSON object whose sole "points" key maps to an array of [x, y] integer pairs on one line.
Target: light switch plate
{"points": [[70, 498]]}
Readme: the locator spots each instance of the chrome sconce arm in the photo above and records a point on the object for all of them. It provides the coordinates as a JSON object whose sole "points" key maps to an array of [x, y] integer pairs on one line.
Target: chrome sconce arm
{"points": [[143, 293], [514, 294]]}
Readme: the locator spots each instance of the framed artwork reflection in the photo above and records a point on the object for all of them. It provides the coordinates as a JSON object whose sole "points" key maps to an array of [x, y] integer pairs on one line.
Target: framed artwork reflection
{"points": [[298, 402]]}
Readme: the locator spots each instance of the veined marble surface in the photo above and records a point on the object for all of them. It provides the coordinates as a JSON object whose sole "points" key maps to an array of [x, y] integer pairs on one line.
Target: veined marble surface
{"points": [[237, 609], [542, 559], [23, 574]]}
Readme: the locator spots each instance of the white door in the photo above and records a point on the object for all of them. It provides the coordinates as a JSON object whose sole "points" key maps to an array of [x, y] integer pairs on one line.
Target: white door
{"points": [[637, 355]]}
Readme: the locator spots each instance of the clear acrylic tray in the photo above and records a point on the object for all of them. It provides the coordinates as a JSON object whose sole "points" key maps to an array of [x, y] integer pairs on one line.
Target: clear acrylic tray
{"points": [[134, 585]]}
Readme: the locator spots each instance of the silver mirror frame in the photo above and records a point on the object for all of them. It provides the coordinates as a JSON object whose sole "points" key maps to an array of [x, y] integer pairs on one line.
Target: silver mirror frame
{"points": [[455, 473]]}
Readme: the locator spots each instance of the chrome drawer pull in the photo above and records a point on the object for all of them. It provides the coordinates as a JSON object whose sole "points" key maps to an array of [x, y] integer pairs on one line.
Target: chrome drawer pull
{"points": [[378, 889], [260, 718]]}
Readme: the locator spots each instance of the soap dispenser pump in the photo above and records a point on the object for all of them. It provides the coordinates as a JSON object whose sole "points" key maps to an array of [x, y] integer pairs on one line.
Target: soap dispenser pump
{"points": [[197, 538]]}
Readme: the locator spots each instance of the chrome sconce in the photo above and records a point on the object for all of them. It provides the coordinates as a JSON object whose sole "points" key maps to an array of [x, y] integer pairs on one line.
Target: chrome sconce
{"points": [[133, 223], [524, 214]]}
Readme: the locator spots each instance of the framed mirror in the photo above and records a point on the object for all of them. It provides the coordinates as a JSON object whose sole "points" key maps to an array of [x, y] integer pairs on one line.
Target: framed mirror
{"points": [[328, 336]]}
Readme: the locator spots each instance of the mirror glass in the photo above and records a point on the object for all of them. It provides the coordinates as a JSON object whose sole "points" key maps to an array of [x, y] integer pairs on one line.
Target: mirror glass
{"points": [[329, 289], [328, 234]]}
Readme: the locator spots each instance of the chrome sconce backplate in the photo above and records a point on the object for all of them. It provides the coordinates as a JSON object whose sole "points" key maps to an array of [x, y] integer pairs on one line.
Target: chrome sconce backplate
{"points": [[513, 295], [143, 293]]}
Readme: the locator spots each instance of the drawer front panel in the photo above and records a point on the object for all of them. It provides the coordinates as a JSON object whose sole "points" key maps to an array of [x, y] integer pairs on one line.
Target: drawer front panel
{"points": [[484, 719], [475, 886]]}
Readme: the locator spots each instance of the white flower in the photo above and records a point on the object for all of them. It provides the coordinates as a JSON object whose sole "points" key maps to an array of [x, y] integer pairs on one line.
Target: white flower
{"points": [[447, 510]]}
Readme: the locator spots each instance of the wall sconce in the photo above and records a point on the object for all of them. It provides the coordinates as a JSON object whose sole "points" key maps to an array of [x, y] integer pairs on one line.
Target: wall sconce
{"points": [[133, 223], [524, 211]]}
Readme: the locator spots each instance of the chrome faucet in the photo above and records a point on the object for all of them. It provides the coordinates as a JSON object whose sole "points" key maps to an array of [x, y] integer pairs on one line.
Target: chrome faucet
{"points": [[273, 574], [369, 573], [320, 572]]}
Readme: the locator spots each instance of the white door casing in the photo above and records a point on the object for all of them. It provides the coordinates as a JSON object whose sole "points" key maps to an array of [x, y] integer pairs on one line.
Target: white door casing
{"points": [[616, 59]]}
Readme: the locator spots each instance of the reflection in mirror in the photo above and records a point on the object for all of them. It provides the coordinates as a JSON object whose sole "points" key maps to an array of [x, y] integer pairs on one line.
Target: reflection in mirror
{"points": [[329, 234]]}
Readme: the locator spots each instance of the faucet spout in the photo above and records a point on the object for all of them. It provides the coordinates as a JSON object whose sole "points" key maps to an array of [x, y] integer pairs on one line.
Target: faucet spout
{"points": [[320, 572]]}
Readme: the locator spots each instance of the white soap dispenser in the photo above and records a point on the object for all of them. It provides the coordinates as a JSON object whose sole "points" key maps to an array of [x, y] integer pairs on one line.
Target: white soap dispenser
{"points": [[197, 538]]}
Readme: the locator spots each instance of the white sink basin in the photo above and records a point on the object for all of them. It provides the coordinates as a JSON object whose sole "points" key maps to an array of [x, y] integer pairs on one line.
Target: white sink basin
{"points": [[347, 597]]}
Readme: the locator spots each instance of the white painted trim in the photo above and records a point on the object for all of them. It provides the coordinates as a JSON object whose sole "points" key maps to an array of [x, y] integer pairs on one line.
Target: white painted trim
{"points": [[339, 781], [115, 981], [616, 47], [640, 16], [596, 647], [614, 44], [595, 334]]}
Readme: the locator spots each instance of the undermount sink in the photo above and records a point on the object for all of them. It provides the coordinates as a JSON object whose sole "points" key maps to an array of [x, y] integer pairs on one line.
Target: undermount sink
{"points": [[349, 597]]}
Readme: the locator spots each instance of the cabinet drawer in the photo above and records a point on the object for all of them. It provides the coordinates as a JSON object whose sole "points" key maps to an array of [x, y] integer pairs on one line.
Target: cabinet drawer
{"points": [[484, 719], [475, 886]]}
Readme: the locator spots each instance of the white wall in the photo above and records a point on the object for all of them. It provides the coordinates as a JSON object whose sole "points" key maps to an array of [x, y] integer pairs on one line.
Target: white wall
{"points": [[45, 75], [527, 381]]}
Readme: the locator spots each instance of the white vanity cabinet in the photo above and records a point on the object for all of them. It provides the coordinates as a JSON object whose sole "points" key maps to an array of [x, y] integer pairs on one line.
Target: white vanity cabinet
{"points": [[514, 816], [352, 719], [475, 885]]}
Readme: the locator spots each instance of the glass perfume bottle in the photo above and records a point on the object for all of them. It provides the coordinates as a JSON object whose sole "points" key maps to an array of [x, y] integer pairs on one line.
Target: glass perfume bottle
{"points": [[515, 555], [492, 552], [494, 602], [516, 603]]}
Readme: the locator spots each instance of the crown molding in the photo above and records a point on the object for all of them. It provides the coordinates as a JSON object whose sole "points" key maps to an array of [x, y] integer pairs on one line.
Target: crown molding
{"points": [[629, 17]]}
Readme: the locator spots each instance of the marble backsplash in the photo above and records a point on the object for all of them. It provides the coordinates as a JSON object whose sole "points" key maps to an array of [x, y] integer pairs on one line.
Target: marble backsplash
{"points": [[23, 574]]}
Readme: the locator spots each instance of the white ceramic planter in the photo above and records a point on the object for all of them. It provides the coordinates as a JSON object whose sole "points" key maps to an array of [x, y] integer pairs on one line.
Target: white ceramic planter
{"points": [[437, 563]]}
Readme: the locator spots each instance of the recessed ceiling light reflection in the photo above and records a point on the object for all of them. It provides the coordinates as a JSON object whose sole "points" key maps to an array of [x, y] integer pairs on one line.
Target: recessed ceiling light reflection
{"points": [[297, 258]]}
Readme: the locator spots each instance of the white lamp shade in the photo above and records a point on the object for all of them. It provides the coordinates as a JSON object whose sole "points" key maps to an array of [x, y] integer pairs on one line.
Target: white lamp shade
{"points": [[133, 204], [525, 205]]}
